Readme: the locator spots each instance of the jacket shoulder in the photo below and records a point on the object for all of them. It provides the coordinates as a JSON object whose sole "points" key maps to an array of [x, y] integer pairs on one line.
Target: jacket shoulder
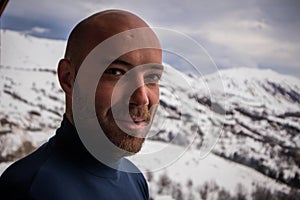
{"points": [[16, 180]]}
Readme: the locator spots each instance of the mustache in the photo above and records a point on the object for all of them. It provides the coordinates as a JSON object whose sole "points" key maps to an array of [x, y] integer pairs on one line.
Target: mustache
{"points": [[139, 113]]}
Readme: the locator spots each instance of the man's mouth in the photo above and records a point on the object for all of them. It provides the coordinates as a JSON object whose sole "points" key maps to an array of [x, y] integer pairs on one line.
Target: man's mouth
{"points": [[135, 122], [138, 120], [132, 125]]}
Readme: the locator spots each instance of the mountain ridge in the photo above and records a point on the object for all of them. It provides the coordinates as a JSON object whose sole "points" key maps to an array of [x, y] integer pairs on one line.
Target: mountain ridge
{"points": [[258, 111]]}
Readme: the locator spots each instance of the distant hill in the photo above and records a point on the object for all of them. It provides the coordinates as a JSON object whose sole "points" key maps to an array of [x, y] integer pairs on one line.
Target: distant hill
{"points": [[257, 111]]}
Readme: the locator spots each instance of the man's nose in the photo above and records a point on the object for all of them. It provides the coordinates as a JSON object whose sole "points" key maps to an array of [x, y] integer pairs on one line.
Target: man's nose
{"points": [[140, 97]]}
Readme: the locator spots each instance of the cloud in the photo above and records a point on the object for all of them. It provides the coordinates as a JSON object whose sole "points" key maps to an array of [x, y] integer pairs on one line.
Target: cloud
{"points": [[39, 30], [249, 38], [243, 39], [252, 33]]}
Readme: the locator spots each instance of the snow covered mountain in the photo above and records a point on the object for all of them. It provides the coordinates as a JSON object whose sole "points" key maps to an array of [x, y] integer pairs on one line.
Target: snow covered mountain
{"points": [[262, 128], [257, 112]]}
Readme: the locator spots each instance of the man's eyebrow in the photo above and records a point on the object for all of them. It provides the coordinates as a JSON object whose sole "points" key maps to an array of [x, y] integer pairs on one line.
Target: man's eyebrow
{"points": [[122, 62], [152, 65], [157, 66]]}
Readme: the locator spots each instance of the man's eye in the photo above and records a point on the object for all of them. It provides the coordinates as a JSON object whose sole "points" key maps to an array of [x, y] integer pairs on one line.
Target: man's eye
{"points": [[152, 78], [115, 71]]}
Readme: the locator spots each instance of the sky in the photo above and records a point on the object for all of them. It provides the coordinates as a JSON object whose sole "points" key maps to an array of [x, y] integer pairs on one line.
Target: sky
{"points": [[253, 33]]}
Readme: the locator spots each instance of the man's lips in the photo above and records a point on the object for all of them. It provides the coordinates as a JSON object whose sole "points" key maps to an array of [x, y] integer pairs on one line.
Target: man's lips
{"points": [[135, 124], [138, 120]]}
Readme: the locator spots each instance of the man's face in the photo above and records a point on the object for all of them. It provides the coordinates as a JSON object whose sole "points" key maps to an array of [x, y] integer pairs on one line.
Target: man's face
{"points": [[128, 110]]}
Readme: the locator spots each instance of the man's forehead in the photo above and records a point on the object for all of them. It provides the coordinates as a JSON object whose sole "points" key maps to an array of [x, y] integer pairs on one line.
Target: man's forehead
{"points": [[148, 54], [113, 22], [139, 57], [144, 40]]}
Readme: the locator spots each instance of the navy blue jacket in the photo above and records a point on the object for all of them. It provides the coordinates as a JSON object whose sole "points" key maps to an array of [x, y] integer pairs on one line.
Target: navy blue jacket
{"points": [[62, 168]]}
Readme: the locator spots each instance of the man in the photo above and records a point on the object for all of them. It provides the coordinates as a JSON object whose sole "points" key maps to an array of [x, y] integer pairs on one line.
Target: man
{"points": [[63, 168]]}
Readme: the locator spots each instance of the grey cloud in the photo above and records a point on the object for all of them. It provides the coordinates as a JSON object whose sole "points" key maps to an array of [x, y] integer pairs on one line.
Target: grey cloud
{"points": [[250, 33]]}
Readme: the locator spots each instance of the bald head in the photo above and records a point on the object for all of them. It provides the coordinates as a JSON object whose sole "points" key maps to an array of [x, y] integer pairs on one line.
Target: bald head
{"points": [[91, 32], [95, 29]]}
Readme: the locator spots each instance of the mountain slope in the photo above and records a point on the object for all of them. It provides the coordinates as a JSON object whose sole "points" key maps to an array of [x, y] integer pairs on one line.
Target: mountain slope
{"points": [[258, 111]]}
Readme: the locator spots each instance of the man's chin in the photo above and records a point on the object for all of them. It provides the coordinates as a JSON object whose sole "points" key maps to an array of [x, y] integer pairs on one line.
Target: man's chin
{"points": [[131, 145]]}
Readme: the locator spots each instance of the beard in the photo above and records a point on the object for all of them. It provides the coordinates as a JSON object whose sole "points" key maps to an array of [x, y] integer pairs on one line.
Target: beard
{"points": [[130, 144], [124, 139]]}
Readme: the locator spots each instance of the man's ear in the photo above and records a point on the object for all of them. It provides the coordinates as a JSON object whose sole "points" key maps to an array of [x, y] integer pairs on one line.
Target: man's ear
{"points": [[66, 76]]}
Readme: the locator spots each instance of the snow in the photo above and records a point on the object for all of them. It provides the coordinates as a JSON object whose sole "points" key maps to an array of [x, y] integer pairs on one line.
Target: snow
{"points": [[212, 168], [18, 51], [193, 115], [40, 94]]}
